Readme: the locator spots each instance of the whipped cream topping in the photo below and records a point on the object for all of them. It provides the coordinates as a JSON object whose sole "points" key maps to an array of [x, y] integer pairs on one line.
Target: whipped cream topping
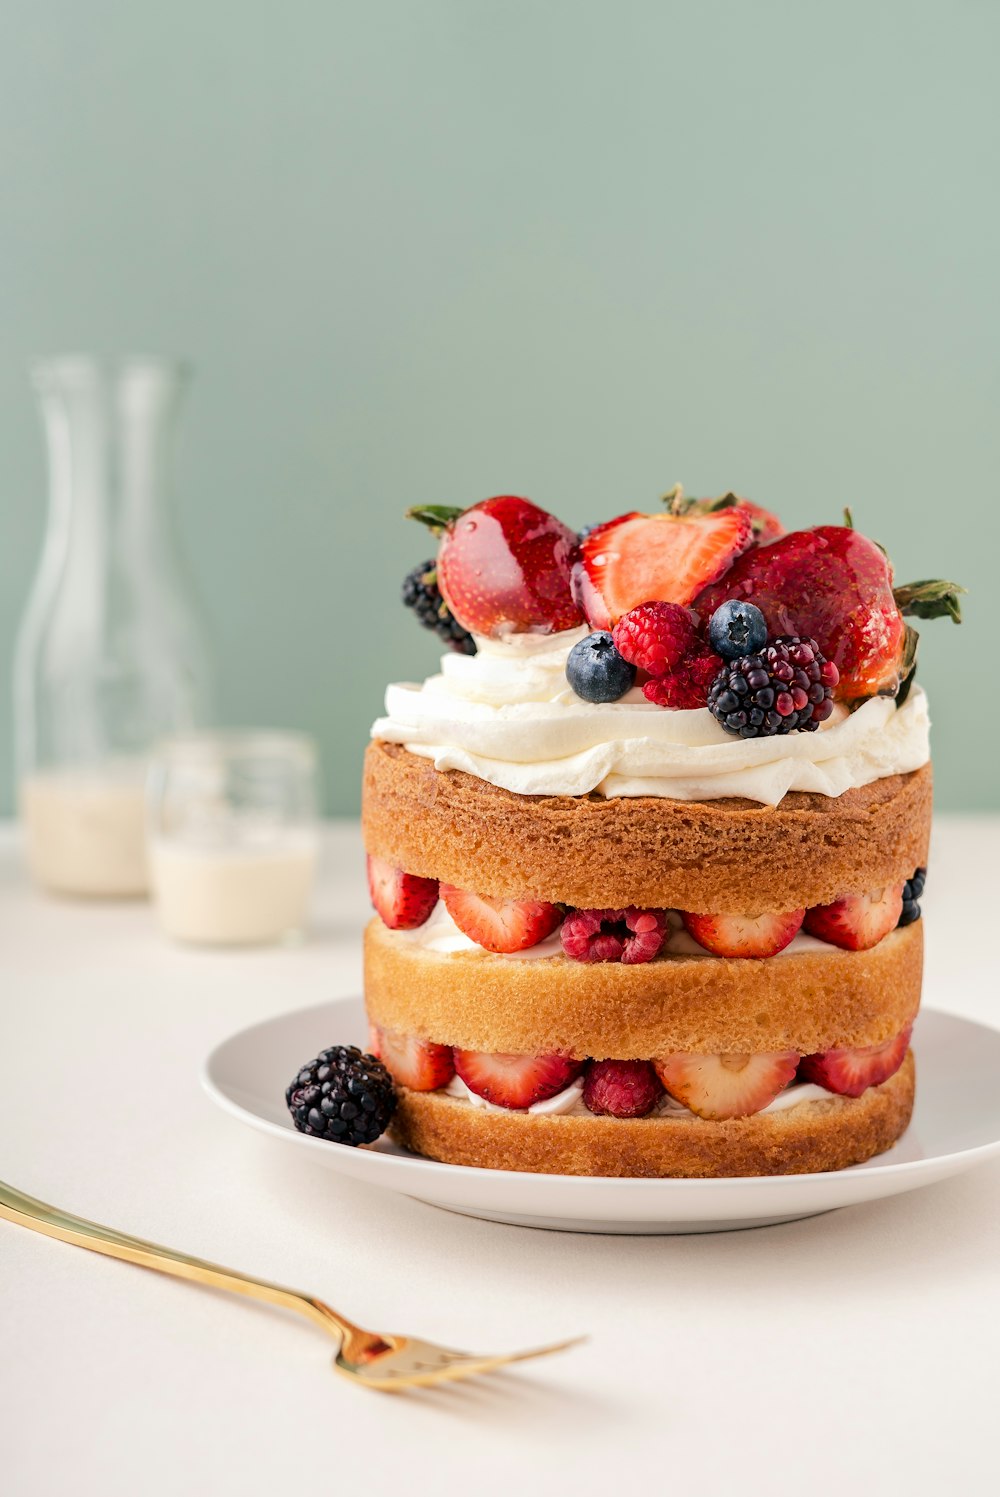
{"points": [[508, 716], [569, 1102], [439, 934]]}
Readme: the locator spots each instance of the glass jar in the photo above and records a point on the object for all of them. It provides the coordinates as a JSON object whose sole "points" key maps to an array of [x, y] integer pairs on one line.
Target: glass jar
{"points": [[234, 836], [110, 656]]}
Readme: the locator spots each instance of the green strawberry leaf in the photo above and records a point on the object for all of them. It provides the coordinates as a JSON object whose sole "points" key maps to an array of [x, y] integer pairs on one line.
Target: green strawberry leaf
{"points": [[908, 664], [930, 600], [437, 517]]}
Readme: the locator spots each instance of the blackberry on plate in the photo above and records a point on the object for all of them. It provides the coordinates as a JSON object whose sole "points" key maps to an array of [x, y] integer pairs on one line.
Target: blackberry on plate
{"points": [[785, 688], [912, 890], [422, 594], [596, 671], [343, 1096]]}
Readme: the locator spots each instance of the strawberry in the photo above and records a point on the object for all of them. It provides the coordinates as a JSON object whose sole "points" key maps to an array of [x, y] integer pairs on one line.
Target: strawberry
{"points": [[666, 558], [419, 1064], [515, 1081], [766, 526], [621, 1088], [743, 935], [403, 900], [501, 925], [504, 565], [655, 637], [726, 1086], [834, 585], [857, 921], [851, 1072]]}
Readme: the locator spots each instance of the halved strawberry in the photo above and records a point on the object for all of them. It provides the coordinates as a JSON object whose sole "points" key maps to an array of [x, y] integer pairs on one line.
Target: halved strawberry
{"points": [[515, 1081], [419, 1064], [621, 1088], [857, 921], [852, 1072], [656, 558], [744, 935], [726, 1086], [403, 900], [501, 925]]}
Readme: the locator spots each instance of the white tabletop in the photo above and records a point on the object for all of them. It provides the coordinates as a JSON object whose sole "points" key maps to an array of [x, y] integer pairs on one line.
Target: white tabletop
{"points": [[849, 1353]]}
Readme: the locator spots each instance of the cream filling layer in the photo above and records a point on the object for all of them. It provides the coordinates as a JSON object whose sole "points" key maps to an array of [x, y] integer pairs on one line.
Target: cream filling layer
{"points": [[508, 716], [569, 1102]]}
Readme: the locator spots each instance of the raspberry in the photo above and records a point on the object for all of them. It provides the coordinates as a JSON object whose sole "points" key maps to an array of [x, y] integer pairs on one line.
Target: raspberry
{"points": [[621, 1088], [687, 686], [655, 637], [786, 688], [628, 936]]}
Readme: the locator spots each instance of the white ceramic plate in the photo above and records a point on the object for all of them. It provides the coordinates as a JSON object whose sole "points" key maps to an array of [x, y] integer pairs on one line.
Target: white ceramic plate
{"points": [[956, 1124]]}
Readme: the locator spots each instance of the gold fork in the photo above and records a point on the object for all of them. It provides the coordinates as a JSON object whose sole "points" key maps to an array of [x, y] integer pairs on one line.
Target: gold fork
{"points": [[387, 1362]]}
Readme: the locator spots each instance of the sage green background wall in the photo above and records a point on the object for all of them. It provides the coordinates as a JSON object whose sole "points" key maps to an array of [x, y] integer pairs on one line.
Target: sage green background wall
{"points": [[433, 251]]}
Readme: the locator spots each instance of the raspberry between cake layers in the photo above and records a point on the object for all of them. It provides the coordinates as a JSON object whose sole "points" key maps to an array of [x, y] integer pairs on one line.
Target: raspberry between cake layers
{"points": [[647, 853]]}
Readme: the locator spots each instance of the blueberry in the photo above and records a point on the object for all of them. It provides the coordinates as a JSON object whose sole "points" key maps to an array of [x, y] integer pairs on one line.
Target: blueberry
{"points": [[737, 629], [596, 671]]}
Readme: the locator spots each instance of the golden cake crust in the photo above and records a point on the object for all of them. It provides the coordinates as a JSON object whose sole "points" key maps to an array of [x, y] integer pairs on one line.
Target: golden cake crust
{"points": [[807, 1002], [816, 1136], [720, 857]]}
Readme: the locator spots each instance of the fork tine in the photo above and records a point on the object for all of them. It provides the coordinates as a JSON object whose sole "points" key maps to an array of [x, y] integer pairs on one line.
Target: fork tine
{"points": [[455, 1371]]}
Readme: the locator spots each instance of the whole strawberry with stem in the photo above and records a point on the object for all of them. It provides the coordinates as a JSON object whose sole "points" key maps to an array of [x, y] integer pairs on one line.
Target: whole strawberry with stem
{"points": [[834, 585], [504, 566]]}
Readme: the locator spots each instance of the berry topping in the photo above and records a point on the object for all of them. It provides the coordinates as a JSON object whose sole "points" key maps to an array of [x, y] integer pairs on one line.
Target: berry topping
{"points": [[766, 526], [737, 629], [852, 1072], [784, 688], [596, 671], [743, 935], [422, 594], [669, 557], [503, 565], [688, 685], [656, 636], [418, 1064], [912, 891], [857, 921], [501, 925], [403, 900], [342, 1096], [726, 1086], [516, 1081], [834, 585], [621, 1088], [629, 936]]}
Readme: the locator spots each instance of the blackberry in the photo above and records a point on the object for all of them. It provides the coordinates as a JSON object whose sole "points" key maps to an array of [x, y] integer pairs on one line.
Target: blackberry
{"points": [[912, 890], [785, 688], [342, 1096], [422, 594]]}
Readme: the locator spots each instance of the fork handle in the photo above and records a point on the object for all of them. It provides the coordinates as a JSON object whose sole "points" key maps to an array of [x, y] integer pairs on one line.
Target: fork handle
{"points": [[25, 1211]]}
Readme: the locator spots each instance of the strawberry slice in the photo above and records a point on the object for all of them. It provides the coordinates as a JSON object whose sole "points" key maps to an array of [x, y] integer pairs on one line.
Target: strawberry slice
{"points": [[515, 1081], [852, 1072], [621, 1088], [666, 558], [857, 921], [500, 925], [403, 900], [419, 1064], [726, 1086], [744, 935]]}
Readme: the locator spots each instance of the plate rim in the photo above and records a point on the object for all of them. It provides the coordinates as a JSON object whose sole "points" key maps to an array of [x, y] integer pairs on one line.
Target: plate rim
{"points": [[716, 1185]]}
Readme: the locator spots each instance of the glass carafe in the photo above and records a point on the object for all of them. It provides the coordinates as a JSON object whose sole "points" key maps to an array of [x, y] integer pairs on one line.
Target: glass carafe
{"points": [[110, 657]]}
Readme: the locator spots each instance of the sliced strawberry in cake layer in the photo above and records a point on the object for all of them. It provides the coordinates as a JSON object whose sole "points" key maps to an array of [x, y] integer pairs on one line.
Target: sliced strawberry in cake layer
{"points": [[419, 1064], [515, 1081], [744, 935], [621, 1088], [851, 1072], [501, 925], [665, 558], [402, 900], [857, 921], [726, 1086]]}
